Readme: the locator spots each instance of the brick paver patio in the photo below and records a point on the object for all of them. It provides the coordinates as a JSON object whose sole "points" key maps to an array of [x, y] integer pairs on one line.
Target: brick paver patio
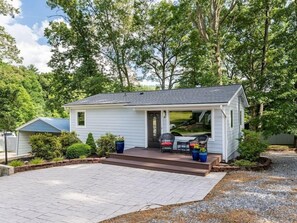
{"points": [[94, 192]]}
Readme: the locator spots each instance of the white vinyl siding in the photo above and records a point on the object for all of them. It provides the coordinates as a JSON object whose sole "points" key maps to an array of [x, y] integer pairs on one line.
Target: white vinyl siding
{"points": [[119, 121], [23, 143], [233, 133], [215, 144]]}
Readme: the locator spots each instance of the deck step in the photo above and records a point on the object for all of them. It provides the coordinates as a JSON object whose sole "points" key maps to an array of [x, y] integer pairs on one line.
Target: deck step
{"points": [[157, 166], [167, 161]]}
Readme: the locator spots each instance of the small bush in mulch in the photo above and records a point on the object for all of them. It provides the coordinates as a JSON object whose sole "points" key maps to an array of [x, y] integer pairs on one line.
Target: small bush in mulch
{"points": [[37, 160], [91, 142], [106, 144], [16, 163], [78, 149], [251, 145]]}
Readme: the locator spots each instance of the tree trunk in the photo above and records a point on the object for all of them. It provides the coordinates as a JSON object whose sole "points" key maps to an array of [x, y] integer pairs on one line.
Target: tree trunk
{"points": [[218, 62], [264, 55]]}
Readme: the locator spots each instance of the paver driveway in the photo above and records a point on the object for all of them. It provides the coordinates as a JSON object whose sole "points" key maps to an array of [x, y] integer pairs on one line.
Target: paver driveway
{"points": [[94, 192]]}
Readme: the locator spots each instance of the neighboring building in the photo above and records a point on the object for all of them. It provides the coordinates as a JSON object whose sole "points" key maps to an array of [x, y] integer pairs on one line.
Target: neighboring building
{"points": [[142, 116], [39, 125]]}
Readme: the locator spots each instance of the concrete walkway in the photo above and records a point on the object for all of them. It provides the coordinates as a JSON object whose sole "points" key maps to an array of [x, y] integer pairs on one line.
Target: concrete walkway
{"points": [[94, 192]]}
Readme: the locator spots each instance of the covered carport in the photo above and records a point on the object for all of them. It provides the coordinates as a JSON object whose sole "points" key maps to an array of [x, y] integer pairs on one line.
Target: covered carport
{"points": [[39, 125]]}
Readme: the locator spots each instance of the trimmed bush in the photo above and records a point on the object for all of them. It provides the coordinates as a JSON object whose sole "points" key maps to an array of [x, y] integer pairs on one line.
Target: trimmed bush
{"points": [[45, 145], [106, 144], [37, 160], [91, 142], [67, 139], [251, 145], [78, 149], [16, 163]]}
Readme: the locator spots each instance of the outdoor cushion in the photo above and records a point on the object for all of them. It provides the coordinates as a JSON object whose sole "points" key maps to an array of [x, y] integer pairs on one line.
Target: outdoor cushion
{"points": [[166, 143]]}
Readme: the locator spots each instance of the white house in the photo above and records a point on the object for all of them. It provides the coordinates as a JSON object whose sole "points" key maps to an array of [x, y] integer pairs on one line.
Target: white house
{"points": [[142, 116]]}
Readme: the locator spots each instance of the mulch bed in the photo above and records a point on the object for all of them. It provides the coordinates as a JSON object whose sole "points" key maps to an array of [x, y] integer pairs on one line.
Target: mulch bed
{"points": [[263, 164], [55, 164]]}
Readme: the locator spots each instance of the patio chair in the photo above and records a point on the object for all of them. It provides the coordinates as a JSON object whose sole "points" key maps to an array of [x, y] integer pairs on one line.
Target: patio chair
{"points": [[202, 140], [166, 142]]}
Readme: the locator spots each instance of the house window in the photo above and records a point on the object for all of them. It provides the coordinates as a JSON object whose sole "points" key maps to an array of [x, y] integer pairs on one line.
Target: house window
{"points": [[81, 118], [240, 117], [191, 123], [231, 117]]}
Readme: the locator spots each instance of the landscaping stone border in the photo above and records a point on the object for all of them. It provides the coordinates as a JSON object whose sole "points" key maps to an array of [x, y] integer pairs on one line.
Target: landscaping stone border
{"points": [[55, 164], [227, 168], [6, 170]]}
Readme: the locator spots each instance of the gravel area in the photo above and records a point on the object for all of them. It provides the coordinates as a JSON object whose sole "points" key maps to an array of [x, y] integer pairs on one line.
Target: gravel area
{"points": [[243, 196]]}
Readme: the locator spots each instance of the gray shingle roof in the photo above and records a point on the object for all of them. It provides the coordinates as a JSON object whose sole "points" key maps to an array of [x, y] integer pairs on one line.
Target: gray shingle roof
{"points": [[199, 95]]}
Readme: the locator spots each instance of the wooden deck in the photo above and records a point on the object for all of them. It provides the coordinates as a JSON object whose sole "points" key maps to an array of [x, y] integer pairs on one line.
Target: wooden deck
{"points": [[153, 159]]}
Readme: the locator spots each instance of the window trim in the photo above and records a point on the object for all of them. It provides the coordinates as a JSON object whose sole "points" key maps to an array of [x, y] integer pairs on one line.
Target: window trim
{"points": [[85, 119]]}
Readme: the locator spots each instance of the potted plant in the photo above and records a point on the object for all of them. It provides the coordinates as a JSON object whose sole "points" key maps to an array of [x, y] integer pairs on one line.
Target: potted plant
{"points": [[195, 151], [203, 154], [120, 144]]}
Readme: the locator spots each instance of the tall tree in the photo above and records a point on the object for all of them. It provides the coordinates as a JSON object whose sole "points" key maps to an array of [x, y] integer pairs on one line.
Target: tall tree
{"points": [[164, 40], [209, 18], [260, 57], [8, 49], [20, 96]]}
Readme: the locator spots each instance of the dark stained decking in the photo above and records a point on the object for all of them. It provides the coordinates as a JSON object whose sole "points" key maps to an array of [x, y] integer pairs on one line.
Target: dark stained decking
{"points": [[153, 159]]}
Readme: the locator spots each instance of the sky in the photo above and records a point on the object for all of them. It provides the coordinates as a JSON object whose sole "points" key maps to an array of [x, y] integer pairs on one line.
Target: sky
{"points": [[28, 30]]}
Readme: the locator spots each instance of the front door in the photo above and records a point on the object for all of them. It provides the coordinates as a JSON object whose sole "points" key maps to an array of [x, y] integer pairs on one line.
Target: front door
{"points": [[154, 128]]}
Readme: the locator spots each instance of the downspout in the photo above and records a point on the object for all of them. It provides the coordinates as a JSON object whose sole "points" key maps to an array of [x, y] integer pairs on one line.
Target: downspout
{"points": [[225, 155]]}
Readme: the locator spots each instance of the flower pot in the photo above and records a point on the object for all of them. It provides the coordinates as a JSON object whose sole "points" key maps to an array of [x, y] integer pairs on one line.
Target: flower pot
{"points": [[120, 145], [203, 157], [195, 154]]}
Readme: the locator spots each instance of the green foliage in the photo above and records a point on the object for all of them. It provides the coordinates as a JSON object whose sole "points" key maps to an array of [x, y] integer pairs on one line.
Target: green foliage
{"points": [[106, 144], [20, 96], [8, 49], [78, 149], [58, 159], [16, 163], [82, 157], [91, 142], [244, 163], [46, 146], [67, 139], [251, 145], [36, 160]]}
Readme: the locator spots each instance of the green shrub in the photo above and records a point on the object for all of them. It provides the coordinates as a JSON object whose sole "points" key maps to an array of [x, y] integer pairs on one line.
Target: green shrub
{"points": [[106, 144], [16, 163], [78, 149], [37, 160], [245, 163], [82, 157], [45, 145], [91, 142], [57, 159], [251, 145], [67, 139]]}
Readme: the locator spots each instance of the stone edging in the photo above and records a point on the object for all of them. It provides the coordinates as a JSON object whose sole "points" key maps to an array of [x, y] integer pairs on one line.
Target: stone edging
{"points": [[228, 168], [55, 164]]}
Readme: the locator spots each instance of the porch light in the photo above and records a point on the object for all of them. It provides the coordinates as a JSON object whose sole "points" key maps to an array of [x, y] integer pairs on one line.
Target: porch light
{"points": [[164, 114]]}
